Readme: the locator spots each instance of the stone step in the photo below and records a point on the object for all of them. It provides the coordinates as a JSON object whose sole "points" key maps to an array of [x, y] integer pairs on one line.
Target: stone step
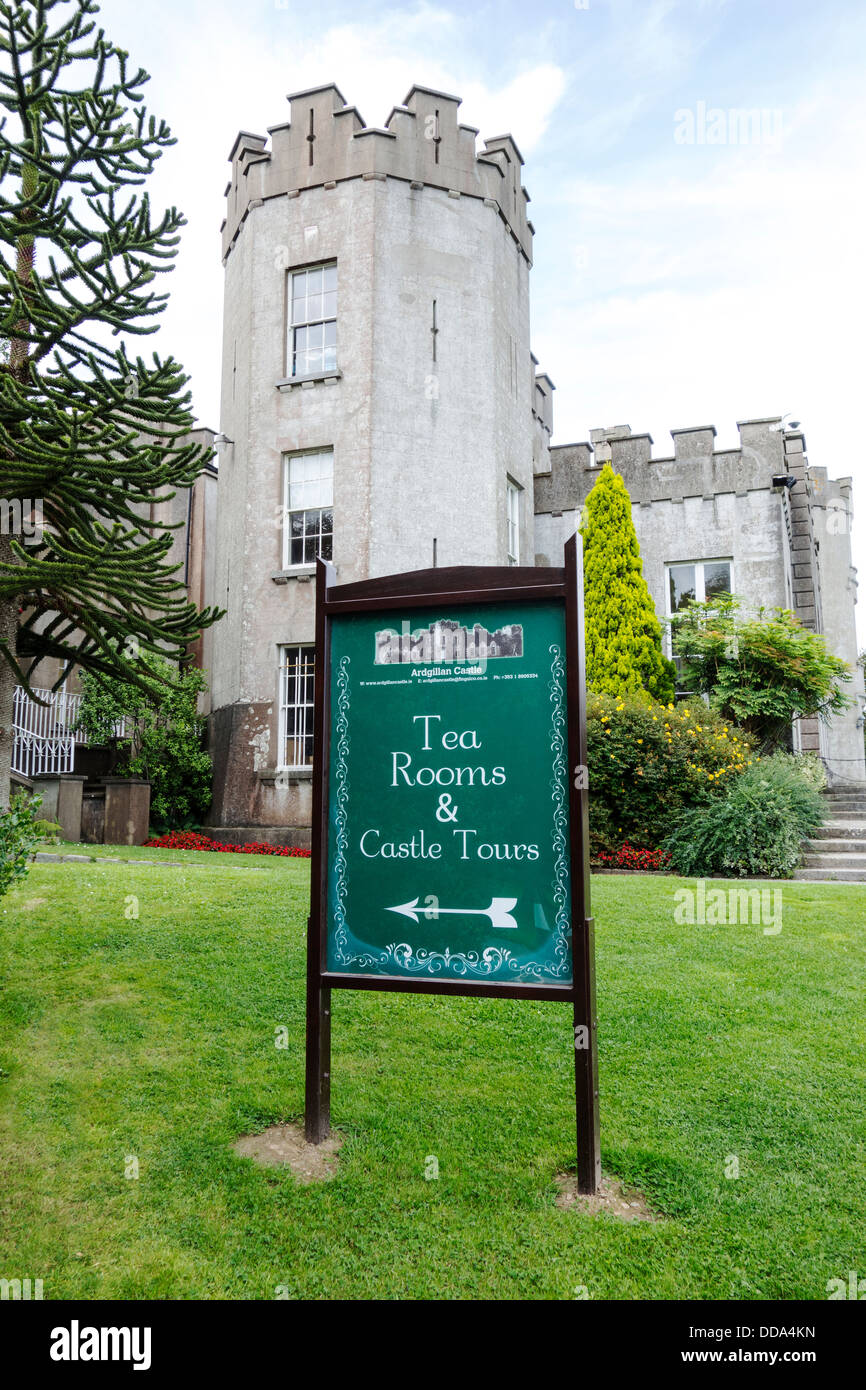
{"points": [[834, 861], [831, 875], [837, 829], [848, 807], [829, 845]]}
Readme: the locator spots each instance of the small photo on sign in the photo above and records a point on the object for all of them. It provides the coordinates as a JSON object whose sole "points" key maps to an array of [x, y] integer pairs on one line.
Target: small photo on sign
{"points": [[446, 639]]}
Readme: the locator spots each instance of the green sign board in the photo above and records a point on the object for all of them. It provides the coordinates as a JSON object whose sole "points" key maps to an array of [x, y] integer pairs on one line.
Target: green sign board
{"points": [[449, 852], [450, 814]]}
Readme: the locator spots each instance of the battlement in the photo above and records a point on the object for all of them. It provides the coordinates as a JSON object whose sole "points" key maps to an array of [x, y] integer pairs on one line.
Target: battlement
{"points": [[695, 469], [325, 142]]}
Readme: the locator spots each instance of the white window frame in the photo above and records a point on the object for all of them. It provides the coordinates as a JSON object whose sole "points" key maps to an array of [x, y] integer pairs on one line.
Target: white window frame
{"points": [[700, 588], [512, 536], [311, 311], [291, 695], [307, 456]]}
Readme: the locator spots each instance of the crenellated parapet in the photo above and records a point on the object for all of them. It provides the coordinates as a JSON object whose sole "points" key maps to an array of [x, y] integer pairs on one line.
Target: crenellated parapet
{"points": [[325, 142], [695, 469]]}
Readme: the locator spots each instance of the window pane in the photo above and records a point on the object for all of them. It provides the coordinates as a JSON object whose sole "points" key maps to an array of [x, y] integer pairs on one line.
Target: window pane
{"points": [[682, 584], [329, 305], [717, 578], [299, 351], [314, 281], [330, 334], [330, 277], [314, 307], [311, 526], [327, 523], [297, 556], [326, 549]]}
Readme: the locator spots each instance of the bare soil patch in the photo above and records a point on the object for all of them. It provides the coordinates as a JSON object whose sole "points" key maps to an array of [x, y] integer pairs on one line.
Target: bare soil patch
{"points": [[612, 1197], [284, 1146]]}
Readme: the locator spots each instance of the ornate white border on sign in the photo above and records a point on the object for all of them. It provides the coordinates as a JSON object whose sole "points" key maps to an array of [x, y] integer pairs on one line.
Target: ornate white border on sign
{"points": [[558, 782], [482, 964], [341, 809]]}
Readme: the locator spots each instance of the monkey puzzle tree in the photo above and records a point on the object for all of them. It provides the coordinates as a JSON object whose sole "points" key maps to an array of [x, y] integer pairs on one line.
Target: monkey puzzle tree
{"points": [[623, 634], [90, 436]]}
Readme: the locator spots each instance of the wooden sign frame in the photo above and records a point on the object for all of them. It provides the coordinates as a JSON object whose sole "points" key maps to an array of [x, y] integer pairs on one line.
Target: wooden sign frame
{"points": [[455, 587]]}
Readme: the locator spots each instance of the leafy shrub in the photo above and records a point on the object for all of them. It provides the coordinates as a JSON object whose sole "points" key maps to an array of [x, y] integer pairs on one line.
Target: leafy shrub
{"points": [[162, 738], [812, 770], [764, 671], [47, 830], [649, 761], [758, 826], [18, 839], [196, 839]]}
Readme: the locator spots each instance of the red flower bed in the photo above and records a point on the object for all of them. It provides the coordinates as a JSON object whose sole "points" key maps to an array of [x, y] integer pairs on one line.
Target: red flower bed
{"points": [[194, 839], [627, 857]]}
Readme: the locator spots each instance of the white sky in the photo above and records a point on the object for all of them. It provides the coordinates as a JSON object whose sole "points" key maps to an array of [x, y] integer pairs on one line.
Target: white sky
{"points": [[674, 284]]}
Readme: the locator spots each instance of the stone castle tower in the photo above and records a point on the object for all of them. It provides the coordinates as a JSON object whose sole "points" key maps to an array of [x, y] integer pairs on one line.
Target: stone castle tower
{"points": [[379, 397]]}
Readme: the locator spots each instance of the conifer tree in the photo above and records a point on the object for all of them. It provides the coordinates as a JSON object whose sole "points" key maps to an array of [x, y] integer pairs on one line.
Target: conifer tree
{"points": [[623, 634], [91, 435]]}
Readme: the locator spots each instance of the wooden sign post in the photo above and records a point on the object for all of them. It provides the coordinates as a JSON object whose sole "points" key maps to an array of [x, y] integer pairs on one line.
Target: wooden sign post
{"points": [[450, 826]]}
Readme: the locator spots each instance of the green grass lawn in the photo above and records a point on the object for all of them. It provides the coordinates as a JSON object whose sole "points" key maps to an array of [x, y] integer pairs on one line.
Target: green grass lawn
{"points": [[155, 1037]]}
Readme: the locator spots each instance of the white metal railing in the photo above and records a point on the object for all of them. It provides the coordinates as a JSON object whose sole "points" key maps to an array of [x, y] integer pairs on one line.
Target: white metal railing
{"points": [[44, 737], [43, 734]]}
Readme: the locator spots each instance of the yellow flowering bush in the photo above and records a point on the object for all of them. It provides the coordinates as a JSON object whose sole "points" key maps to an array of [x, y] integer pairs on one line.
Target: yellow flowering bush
{"points": [[649, 761]]}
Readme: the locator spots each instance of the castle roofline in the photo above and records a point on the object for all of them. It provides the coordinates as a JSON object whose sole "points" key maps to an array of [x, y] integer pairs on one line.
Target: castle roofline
{"points": [[761, 420], [430, 92], [693, 429], [500, 140], [246, 135], [314, 150], [314, 91]]}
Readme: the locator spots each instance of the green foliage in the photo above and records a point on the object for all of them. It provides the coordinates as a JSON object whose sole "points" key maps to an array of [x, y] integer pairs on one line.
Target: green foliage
{"points": [[761, 672], [18, 839], [757, 828], [47, 830], [91, 435], [648, 761], [623, 634], [161, 738]]}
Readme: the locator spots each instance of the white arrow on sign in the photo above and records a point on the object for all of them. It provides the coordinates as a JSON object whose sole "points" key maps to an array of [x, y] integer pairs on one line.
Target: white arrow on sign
{"points": [[499, 911]]}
